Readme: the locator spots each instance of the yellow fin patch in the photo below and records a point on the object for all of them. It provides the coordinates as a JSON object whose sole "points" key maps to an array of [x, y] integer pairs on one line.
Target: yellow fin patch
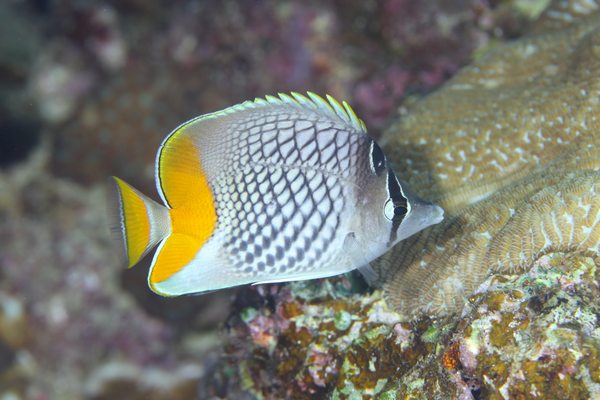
{"points": [[185, 189], [135, 222], [176, 251]]}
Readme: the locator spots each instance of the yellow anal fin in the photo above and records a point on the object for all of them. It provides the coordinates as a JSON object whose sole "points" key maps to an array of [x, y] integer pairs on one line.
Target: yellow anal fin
{"points": [[173, 254], [143, 222]]}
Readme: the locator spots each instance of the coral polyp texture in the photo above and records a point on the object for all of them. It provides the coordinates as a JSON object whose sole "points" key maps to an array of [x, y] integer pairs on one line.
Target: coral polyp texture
{"points": [[533, 335], [509, 148]]}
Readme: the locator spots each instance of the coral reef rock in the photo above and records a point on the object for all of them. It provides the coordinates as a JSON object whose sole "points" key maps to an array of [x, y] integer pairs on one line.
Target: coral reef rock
{"points": [[509, 148], [533, 335]]}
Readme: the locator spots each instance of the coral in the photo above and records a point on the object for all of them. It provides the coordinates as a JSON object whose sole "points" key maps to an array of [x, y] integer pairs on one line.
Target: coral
{"points": [[534, 334], [521, 336], [314, 340], [59, 82], [508, 148], [564, 13], [113, 380]]}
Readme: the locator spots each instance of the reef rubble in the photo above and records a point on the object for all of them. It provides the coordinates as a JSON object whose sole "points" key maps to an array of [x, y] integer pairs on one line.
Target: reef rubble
{"points": [[533, 335]]}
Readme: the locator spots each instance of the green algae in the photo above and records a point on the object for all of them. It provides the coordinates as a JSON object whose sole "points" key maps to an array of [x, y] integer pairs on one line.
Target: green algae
{"points": [[377, 333], [248, 314], [435, 331], [389, 395], [246, 377], [342, 320], [379, 385], [309, 291], [531, 8], [416, 384], [431, 334]]}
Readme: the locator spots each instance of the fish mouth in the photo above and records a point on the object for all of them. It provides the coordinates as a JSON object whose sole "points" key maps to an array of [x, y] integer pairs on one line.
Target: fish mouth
{"points": [[429, 214], [422, 215], [437, 214]]}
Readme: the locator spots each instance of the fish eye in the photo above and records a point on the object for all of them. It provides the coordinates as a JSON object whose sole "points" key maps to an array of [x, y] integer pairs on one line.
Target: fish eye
{"points": [[400, 209], [394, 210], [396, 206], [376, 158]]}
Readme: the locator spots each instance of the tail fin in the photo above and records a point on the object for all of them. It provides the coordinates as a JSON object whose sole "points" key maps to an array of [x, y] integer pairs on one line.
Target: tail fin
{"points": [[143, 222]]}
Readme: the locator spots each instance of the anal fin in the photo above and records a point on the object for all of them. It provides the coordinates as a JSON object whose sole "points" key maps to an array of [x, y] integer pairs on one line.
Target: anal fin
{"points": [[173, 254]]}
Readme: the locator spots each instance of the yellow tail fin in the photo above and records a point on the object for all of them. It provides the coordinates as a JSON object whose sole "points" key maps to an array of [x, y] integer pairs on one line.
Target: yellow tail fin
{"points": [[143, 222]]}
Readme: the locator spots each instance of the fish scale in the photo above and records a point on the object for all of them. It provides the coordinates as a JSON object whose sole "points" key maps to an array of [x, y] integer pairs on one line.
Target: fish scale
{"points": [[294, 148], [307, 222], [272, 190]]}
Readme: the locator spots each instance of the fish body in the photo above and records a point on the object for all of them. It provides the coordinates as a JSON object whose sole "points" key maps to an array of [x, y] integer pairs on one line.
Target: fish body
{"points": [[271, 190]]}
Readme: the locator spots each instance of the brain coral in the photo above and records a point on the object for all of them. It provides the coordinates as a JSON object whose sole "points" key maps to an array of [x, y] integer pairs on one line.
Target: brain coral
{"points": [[509, 148]]}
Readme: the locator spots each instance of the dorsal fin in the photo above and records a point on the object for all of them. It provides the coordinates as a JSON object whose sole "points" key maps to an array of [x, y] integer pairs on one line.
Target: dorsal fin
{"points": [[328, 107], [179, 153]]}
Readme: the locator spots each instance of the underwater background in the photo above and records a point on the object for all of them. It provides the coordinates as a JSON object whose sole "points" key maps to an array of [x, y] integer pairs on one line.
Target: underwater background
{"points": [[88, 89]]}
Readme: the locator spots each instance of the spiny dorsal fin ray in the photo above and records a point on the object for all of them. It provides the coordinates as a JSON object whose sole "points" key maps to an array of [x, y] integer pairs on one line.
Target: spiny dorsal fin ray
{"points": [[328, 107]]}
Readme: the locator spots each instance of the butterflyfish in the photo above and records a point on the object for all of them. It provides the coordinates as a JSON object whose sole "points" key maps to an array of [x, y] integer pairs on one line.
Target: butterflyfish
{"points": [[271, 190]]}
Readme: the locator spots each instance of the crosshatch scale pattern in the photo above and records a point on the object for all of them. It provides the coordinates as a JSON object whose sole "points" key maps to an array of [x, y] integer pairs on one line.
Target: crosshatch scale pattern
{"points": [[281, 205]]}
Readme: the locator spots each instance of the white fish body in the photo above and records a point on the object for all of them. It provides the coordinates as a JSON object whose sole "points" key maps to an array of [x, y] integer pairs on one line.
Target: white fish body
{"points": [[276, 189]]}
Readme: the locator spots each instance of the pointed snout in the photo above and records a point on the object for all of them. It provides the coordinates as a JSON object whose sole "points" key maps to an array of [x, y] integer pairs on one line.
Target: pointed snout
{"points": [[422, 214]]}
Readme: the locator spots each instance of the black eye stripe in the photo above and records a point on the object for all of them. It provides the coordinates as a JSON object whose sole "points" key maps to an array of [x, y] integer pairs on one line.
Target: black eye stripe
{"points": [[393, 186], [377, 158], [400, 204]]}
